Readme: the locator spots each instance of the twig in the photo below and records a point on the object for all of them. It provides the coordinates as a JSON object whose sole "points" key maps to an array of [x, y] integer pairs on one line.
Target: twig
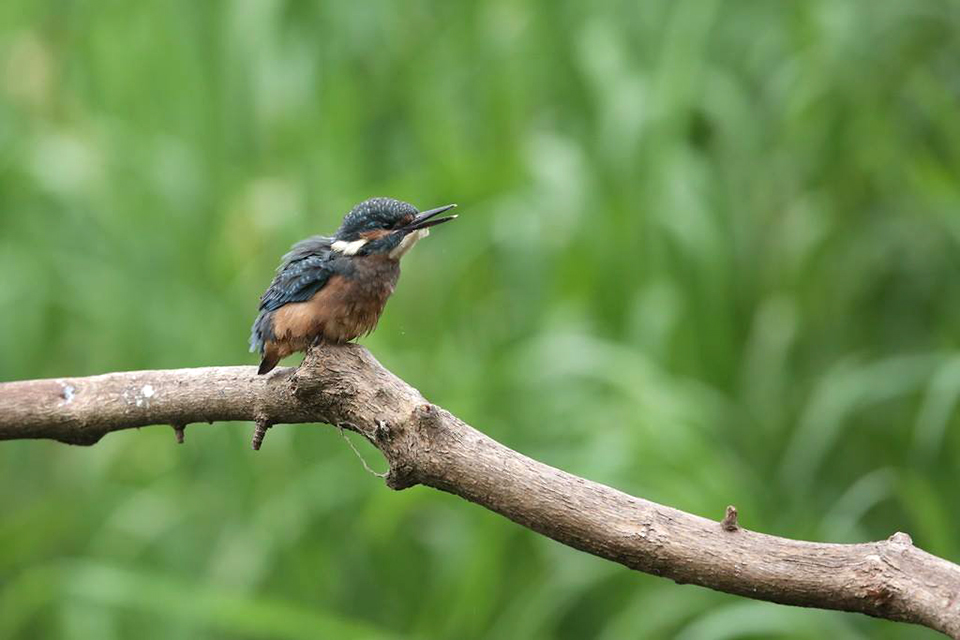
{"points": [[260, 432]]}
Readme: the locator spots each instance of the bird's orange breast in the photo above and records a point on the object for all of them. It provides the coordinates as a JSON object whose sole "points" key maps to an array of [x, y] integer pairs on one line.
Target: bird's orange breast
{"points": [[345, 308]]}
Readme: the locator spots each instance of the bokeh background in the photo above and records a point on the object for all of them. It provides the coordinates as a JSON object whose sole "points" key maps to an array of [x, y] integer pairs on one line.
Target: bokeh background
{"points": [[707, 254]]}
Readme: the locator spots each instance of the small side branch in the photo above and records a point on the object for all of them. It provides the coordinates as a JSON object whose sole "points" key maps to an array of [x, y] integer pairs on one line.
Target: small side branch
{"points": [[729, 522], [260, 432], [424, 444]]}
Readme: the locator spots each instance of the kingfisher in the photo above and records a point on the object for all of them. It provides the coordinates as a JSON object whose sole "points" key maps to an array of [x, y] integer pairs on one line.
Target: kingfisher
{"points": [[333, 289]]}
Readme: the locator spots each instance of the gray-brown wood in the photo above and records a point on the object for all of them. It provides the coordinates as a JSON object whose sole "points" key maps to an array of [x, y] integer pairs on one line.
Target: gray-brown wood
{"points": [[424, 444]]}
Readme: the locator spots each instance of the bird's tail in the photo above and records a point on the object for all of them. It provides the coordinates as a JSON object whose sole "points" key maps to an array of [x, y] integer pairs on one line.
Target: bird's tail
{"points": [[269, 361], [260, 336]]}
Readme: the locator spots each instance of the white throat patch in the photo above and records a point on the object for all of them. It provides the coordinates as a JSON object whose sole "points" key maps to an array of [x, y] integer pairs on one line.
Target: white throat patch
{"points": [[348, 248], [407, 243]]}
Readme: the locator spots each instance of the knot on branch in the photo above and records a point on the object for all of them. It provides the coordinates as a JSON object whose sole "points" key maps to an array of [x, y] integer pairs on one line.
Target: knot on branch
{"points": [[880, 596], [382, 432], [729, 522], [304, 383], [81, 437], [400, 477], [901, 538], [878, 590], [428, 419]]}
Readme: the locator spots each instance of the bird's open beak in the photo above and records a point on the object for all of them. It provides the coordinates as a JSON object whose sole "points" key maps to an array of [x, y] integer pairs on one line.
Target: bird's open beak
{"points": [[429, 218]]}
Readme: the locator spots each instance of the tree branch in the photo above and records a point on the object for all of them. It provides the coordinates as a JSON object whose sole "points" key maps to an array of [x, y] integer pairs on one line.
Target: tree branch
{"points": [[424, 444]]}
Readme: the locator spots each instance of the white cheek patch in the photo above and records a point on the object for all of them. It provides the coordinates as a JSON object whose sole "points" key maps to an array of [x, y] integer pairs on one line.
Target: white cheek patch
{"points": [[407, 243], [348, 248]]}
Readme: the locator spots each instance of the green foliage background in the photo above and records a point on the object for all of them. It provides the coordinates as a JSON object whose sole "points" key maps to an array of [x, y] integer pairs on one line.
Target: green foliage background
{"points": [[708, 254]]}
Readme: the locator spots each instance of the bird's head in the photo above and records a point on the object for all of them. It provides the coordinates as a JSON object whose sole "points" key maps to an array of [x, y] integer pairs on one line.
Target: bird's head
{"points": [[384, 226]]}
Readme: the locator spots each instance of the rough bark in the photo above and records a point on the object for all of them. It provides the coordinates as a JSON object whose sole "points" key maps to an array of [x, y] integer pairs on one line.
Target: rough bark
{"points": [[426, 445]]}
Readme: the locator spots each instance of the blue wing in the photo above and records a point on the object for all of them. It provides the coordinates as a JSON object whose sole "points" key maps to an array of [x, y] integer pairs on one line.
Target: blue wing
{"points": [[302, 272]]}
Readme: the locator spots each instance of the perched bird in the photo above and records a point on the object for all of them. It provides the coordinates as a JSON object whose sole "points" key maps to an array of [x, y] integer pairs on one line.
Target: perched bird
{"points": [[333, 289]]}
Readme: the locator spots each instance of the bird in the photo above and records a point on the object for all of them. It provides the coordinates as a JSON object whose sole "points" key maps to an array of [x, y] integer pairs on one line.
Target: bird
{"points": [[332, 289]]}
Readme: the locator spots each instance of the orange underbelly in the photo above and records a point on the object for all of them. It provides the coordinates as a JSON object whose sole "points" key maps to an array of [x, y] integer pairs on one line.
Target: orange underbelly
{"points": [[339, 312]]}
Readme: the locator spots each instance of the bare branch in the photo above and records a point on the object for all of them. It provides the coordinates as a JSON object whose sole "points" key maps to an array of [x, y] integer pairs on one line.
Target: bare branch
{"points": [[425, 444]]}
